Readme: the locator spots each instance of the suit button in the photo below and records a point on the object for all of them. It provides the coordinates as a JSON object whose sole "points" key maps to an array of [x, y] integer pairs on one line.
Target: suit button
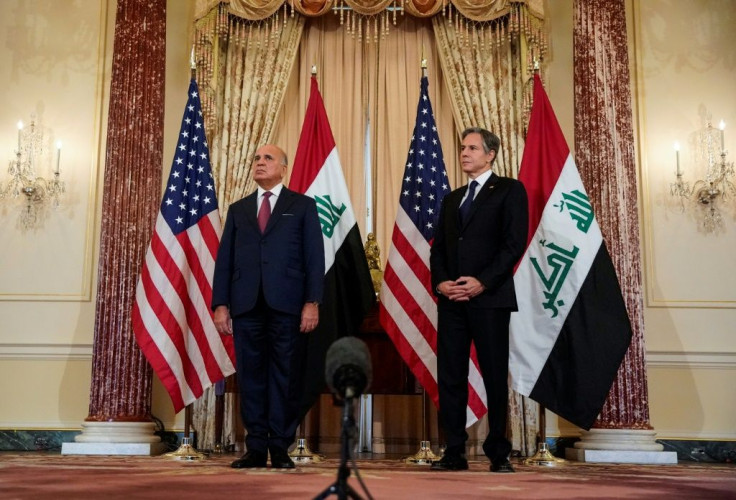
{"points": [[460, 238]]}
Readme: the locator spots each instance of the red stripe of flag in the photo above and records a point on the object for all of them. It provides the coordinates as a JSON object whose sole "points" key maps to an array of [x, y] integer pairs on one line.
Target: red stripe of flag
{"points": [[169, 323], [311, 154], [211, 239], [180, 285], [156, 359], [409, 355], [551, 151], [413, 259], [408, 303]]}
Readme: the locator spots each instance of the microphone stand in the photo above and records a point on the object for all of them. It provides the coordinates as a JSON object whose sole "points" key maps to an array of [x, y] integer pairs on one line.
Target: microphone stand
{"points": [[341, 488]]}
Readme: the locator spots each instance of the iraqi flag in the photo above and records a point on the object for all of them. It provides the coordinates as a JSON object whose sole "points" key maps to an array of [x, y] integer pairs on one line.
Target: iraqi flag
{"points": [[349, 293], [572, 330]]}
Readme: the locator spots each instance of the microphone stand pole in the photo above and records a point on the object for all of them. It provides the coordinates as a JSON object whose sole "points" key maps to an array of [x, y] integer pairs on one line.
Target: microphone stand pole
{"points": [[543, 455], [341, 488]]}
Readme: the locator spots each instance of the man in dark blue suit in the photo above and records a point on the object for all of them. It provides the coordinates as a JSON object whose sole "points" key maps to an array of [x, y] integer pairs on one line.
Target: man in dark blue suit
{"points": [[481, 234], [266, 291]]}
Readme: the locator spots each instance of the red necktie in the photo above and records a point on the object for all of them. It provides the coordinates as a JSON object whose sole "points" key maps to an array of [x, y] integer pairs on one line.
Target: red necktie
{"points": [[265, 212]]}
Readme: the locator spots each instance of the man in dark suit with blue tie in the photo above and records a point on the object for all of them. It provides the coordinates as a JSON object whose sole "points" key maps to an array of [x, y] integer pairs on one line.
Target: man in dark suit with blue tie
{"points": [[267, 286], [480, 236]]}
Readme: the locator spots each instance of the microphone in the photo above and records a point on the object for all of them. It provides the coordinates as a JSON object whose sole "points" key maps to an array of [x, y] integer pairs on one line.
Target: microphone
{"points": [[348, 370]]}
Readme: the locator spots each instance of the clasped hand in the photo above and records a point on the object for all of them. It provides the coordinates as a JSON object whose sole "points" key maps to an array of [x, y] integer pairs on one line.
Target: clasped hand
{"points": [[462, 289]]}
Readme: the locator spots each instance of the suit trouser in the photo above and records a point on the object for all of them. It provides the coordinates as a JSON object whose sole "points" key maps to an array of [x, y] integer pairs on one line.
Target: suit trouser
{"points": [[269, 354], [459, 324]]}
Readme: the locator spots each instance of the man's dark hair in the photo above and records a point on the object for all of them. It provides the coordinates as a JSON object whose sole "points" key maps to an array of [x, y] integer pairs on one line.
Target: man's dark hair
{"points": [[490, 141]]}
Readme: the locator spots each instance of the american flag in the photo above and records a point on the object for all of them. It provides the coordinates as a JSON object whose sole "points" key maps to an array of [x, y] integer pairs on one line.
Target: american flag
{"points": [[408, 310], [172, 320]]}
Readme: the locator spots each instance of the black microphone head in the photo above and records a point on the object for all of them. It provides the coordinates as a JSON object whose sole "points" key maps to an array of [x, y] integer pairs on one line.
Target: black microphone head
{"points": [[348, 367]]}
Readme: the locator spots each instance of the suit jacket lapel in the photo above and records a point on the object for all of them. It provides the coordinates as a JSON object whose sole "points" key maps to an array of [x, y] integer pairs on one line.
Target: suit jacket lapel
{"points": [[251, 209], [285, 199]]}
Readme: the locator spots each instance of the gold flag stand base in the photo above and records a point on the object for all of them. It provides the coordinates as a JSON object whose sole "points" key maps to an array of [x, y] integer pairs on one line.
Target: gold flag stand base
{"points": [[423, 457], [544, 457], [303, 455], [186, 452]]}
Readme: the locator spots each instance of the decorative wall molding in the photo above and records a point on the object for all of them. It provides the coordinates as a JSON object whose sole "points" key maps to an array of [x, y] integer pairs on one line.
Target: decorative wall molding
{"points": [[46, 352], [692, 360], [654, 359]]}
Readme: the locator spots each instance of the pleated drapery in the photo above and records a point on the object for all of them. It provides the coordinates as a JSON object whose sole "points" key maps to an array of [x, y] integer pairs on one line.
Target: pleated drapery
{"points": [[121, 377], [367, 57], [604, 143]]}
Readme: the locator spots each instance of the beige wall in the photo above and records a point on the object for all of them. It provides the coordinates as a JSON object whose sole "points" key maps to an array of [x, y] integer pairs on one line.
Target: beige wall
{"points": [[56, 63], [686, 57]]}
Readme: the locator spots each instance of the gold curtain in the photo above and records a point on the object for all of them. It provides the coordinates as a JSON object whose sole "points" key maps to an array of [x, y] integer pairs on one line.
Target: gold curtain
{"points": [[245, 66], [372, 85], [369, 78], [488, 66]]}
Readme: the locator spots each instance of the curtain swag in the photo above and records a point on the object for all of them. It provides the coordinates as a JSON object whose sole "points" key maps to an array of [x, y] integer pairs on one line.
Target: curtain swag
{"points": [[483, 11]]}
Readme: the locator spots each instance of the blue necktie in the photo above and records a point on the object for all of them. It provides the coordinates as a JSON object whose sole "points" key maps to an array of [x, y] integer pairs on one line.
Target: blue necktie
{"points": [[465, 207]]}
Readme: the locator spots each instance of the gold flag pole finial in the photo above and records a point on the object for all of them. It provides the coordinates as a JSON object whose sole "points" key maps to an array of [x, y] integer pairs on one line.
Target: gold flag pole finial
{"points": [[423, 63], [192, 63]]}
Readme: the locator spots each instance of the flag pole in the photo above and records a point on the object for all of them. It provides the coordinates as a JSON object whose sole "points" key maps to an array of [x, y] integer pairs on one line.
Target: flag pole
{"points": [[424, 456], [302, 454], [543, 456], [219, 415], [186, 451]]}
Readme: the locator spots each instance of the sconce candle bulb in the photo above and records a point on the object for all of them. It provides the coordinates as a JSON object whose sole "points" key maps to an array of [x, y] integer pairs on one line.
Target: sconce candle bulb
{"points": [[677, 158], [58, 157], [20, 130], [722, 127]]}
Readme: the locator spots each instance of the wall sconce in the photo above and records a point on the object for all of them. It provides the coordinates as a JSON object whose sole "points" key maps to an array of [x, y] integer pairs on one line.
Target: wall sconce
{"points": [[39, 192], [717, 185]]}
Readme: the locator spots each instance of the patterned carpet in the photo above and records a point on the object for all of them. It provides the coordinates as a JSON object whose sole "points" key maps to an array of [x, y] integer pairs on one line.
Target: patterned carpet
{"points": [[33, 475]]}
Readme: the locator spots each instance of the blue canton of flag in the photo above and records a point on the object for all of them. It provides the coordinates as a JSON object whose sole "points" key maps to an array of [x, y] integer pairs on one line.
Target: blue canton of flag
{"points": [[190, 192], [425, 179]]}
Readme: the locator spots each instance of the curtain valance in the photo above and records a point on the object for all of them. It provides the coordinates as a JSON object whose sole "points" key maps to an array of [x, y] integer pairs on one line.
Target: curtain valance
{"points": [[256, 10]]}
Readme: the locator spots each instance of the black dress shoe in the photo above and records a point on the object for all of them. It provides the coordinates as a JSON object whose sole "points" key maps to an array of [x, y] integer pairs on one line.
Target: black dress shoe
{"points": [[503, 466], [450, 462], [280, 459], [249, 460]]}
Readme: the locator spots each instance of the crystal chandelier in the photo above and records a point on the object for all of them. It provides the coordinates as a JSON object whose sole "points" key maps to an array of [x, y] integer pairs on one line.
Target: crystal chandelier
{"points": [[718, 184], [39, 192]]}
